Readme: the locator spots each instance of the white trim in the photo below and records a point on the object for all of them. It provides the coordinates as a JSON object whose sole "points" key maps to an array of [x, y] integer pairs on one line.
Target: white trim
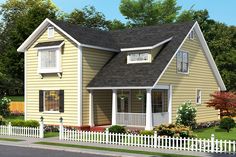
{"points": [[42, 26], [147, 47], [200, 94], [128, 87], [53, 32], [25, 87], [51, 112], [161, 87], [51, 47], [170, 92], [80, 84], [114, 106], [207, 52], [91, 109]]}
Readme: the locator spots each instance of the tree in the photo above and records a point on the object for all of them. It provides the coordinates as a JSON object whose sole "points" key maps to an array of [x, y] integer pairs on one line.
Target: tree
{"points": [[227, 124], [225, 102], [19, 19], [149, 12]]}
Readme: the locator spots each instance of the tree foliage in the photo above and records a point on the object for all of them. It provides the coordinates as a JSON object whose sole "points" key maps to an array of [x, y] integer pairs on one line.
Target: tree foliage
{"points": [[149, 12], [225, 102]]}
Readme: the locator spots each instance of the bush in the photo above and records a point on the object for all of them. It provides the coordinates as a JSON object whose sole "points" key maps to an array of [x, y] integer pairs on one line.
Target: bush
{"points": [[4, 106], [117, 129], [147, 132], [186, 115], [27, 123], [51, 128], [227, 124], [174, 130], [208, 124], [2, 121]]}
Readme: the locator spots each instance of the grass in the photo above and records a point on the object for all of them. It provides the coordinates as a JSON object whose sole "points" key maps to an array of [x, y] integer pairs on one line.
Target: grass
{"points": [[110, 149], [51, 134], [10, 139], [16, 98], [13, 118], [219, 133]]}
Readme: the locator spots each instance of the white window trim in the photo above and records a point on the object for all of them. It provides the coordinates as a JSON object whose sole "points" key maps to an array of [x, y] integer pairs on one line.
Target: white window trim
{"points": [[200, 94], [53, 32], [191, 35], [51, 112], [180, 72], [57, 69], [135, 62]]}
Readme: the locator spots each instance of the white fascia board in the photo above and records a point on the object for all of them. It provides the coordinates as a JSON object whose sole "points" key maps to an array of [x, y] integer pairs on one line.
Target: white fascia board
{"points": [[147, 47], [132, 87], [25, 44], [174, 56], [210, 58]]}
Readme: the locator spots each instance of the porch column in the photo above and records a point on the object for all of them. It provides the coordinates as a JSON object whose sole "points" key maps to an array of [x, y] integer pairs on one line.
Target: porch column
{"points": [[114, 106], [91, 111], [170, 104], [149, 110]]}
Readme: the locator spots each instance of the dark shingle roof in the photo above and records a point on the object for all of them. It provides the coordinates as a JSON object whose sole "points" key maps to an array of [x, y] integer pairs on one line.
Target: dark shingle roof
{"points": [[117, 73], [51, 43]]}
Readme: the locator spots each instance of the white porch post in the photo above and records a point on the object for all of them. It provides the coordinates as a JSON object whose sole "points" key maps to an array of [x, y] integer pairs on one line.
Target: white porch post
{"points": [[170, 103], [91, 111], [114, 106], [149, 110]]}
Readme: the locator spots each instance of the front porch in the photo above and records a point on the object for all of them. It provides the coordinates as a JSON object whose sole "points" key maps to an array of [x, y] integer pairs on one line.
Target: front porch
{"points": [[142, 108]]}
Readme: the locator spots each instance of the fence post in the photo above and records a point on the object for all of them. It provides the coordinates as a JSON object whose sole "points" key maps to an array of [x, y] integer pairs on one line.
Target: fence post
{"points": [[107, 135], [9, 129], [155, 139], [41, 128], [212, 143], [61, 129]]}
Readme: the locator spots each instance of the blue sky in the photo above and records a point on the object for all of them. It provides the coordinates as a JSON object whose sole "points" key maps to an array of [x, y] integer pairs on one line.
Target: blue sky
{"points": [[220, 10]]}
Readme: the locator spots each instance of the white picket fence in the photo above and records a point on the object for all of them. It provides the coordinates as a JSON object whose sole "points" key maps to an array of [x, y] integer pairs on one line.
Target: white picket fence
{"points": [[211, 145], [9, 130]]}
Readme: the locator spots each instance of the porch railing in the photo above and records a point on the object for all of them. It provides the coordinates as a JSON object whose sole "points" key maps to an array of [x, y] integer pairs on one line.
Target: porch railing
{"points": [[139, 119]]}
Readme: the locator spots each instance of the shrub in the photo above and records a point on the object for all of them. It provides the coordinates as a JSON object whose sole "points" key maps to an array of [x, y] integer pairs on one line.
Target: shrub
{"points": [[51, 128], [4, 106], [2, 121], [227, 124], [27, 123], [186, 115], [174, 130], [147, 132], [208, 124], [117, 129]]}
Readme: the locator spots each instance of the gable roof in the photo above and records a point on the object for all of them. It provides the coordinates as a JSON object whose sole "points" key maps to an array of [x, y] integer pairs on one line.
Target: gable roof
{"points": [[117, 73]]}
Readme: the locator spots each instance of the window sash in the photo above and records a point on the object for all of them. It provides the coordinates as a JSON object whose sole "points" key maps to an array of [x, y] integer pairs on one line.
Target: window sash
{"points": [[199, 96], [51, 100], [48, 59], [182, 62], [139, 57]]}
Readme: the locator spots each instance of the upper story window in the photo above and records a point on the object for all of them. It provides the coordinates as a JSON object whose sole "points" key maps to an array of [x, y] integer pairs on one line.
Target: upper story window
{"points": [[50, 32], [182, 62], [139, 57], [191, 35], [49, 61], [199, 96]]}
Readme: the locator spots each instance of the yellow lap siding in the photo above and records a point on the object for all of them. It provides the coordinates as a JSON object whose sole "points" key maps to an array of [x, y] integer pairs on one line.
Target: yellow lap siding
{"points": [[93, 60], [184, 85], [68, 82]]}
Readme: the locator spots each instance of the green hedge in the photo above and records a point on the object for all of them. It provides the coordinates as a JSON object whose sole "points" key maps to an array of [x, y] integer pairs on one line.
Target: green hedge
{"points": [[27, 123]]}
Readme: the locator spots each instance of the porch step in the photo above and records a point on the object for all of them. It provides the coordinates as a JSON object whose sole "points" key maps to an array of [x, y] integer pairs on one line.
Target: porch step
{"points": [[98, 129]]}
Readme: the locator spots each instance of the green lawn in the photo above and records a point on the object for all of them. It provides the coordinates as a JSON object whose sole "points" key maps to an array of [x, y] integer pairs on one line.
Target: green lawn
{"points": [[10, 139], [13, 118], [51, 134], [219, 133], [110, 149], [16, 98]]}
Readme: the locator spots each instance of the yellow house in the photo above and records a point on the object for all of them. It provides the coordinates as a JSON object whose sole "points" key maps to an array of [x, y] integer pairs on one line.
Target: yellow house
{"points": [[134, 77]]}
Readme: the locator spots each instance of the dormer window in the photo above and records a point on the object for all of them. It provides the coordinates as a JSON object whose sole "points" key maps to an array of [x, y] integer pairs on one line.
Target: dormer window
{"points": [[182, 62], [138, 57], [50, 32]]}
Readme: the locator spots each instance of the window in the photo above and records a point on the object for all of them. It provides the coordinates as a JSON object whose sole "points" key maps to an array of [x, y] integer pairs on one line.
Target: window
{"points": [[50, 32], [182, 62], [123, 101], [191, 35], [139, 57], [49, 61], [159, 101], [199, 96], [51, 100]]}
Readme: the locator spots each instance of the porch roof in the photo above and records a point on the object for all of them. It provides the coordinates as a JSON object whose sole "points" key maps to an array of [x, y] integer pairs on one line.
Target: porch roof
{"points": [[117, 73]]}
